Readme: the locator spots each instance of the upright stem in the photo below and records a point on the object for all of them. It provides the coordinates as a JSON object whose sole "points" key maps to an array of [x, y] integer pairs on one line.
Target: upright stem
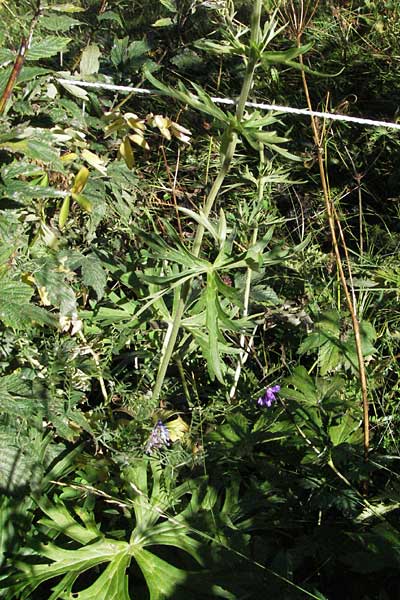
{"points": [[20, 60], [244, 345], [215, 189]]}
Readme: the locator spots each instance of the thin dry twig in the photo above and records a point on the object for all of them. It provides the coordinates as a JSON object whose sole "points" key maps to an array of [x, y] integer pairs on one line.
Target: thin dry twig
{"points": [[334, 223]]}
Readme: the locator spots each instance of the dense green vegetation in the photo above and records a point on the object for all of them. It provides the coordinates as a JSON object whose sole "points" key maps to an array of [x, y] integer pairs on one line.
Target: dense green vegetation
{"points": [[199, 315]]}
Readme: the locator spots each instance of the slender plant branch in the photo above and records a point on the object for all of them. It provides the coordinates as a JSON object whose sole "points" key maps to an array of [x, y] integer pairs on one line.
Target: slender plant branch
{"points": [[245, 345], [215, 189], [172, 183], [20, 60], [333, 220]]}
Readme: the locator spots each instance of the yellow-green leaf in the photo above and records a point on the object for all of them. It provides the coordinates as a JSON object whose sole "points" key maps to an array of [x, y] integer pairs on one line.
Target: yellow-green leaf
{"points": [[80, 180], [67, 8], [94, 161], [83, 202], [64, 212], [177, 429], [90, 63], [139, 140], [134, 122], [125, 150]]}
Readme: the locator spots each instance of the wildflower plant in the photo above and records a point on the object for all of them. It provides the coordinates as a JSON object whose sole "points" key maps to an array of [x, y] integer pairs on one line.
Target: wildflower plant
{"points": [[159, 438], [269, 396]]}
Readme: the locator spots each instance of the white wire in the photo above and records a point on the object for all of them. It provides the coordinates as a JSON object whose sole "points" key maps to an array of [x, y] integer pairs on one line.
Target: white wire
{"points": [[229, 101]]}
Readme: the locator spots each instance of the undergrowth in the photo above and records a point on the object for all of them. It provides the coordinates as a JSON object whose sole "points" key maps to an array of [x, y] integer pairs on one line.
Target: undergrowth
{"points": [[190, 295]]}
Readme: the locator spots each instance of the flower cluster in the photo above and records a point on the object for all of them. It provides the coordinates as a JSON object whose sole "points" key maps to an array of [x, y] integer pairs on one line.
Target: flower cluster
{"points": [[269, 396], [159, 437]]}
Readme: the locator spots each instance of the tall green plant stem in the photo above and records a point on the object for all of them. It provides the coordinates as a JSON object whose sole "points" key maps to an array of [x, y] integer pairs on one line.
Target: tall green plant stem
{"points": [[173, 330], [333, 221]]}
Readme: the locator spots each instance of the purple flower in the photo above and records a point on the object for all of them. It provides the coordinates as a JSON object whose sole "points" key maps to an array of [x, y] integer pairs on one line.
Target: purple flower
{"points": [[158, 438], [269, 396]]}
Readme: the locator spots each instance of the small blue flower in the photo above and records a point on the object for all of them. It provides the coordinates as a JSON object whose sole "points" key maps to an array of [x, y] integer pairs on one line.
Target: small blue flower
{"points": [[269, 396], [158, 438]]}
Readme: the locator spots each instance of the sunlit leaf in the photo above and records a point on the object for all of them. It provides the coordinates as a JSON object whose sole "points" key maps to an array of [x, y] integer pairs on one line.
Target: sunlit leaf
{"points": [[125, 150], [90, 63], [49, 47], [80, 180], [64, 212]]}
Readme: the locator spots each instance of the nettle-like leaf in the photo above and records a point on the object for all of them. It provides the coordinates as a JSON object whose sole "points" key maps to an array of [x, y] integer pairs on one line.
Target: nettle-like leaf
{"points": [[48, 47], [348, 430], [59, 23], [53, 288], [16, 310], [93, 274]]}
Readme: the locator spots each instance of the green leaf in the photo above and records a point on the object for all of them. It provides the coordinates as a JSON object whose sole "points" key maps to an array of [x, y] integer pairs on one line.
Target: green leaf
{"points": [[67, 7], [59, 519], [162, 578], [93, 274], [64, 212], [35, 149], [23, 191], [15, 471], [275, 57], [112, 584], [203, 102], [169, 5], [302, 381], [48, 47], [52, 285], [218, 48], [346, 430], [60, 562], [90, 63], [6, 55], [59, 23], [111, 16], [165, 22], [75, 90], [83, 202], [15, 308]]}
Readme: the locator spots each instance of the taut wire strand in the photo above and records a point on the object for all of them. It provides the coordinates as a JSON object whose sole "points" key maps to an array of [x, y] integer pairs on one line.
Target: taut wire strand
{"points": [[230, 102]]}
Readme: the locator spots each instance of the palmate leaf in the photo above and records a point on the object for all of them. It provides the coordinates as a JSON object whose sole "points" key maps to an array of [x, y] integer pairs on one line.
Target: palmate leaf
{"points": [[61, 562], [165, 251], [348, 430], [152, 498], [161, 577], [333, 350]]}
